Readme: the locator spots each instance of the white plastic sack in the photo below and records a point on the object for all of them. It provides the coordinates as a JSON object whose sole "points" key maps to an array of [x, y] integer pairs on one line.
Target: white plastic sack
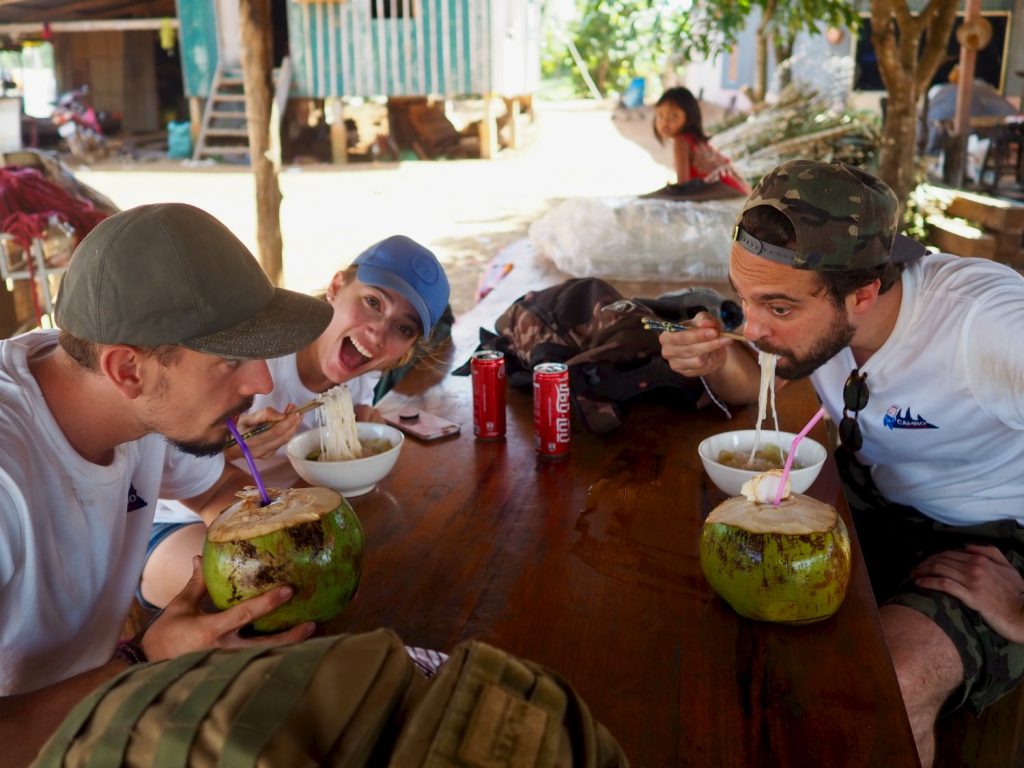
{"points": [[632, 239]]}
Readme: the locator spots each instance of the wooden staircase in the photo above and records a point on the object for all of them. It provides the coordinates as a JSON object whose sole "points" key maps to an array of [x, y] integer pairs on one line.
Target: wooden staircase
{"points": [[224, 132]]}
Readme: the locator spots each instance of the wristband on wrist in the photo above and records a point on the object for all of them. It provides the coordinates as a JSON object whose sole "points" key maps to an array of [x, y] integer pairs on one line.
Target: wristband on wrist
{"points": [[130, 652]]}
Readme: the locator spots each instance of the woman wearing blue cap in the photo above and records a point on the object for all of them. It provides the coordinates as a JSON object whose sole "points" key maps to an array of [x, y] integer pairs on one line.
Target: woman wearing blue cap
{"points": [[385, 304]]}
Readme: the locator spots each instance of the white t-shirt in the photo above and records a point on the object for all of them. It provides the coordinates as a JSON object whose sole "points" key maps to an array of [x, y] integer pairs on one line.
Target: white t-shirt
{"points": [[72, 534], [288, 389], [944, 424]]}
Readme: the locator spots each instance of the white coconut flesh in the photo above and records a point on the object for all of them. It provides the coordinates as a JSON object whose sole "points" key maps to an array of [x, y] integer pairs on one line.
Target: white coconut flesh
{"points": [[796, 515], [247, 519]]}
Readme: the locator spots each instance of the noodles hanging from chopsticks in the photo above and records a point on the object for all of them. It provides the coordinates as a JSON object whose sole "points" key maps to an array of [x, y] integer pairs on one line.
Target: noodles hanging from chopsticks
{"points": [[767, 362], [339, 439]]}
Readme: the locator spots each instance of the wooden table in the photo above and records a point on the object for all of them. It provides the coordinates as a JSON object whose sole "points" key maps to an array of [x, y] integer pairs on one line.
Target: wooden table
{"points": [[590, 566]]}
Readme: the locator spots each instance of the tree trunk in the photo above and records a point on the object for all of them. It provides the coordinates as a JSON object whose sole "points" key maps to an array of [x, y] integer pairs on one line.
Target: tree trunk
{"points": [[761, 53], [906, 71], [783, 53], [257, 67]]}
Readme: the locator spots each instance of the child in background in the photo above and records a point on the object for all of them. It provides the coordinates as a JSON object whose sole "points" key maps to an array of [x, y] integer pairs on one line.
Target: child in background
{"points": [[702, 172]]}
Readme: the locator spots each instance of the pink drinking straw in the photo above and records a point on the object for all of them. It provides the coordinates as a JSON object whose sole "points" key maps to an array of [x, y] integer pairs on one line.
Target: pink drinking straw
{"points": [[252, 462], [792, 452]]}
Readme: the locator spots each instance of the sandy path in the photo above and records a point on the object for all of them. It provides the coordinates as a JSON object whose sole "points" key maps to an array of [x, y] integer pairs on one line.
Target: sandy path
{"points": [[466, 210]]}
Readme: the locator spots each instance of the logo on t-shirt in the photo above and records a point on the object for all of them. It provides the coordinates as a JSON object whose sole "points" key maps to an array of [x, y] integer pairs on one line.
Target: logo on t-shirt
{"points": [[134, 500], [893, 419]]}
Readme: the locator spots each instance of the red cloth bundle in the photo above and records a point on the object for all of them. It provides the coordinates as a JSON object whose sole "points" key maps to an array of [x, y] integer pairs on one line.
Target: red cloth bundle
{"points": [[27, 191]]}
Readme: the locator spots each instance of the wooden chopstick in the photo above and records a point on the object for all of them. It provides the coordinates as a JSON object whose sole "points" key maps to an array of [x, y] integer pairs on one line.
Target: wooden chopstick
{"points": [[654, 324], [316, 403]]}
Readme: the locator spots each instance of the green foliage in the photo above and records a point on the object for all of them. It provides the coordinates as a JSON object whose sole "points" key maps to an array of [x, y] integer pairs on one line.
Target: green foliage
{"points": [[616, 39], [622, 39]]}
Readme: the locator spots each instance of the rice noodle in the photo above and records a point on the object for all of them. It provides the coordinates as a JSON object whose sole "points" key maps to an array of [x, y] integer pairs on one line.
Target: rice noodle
{"points": [[339, 439], [767, 362]]}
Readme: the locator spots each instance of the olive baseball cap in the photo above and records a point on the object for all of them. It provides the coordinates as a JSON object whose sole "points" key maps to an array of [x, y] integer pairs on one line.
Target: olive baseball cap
{"points": [[173, 274], [844, 219], [403, 265]]}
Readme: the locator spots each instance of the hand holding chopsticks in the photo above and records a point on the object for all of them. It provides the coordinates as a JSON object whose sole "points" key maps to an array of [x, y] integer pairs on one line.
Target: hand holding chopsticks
{"points": [[316, 403], [655, 324]]}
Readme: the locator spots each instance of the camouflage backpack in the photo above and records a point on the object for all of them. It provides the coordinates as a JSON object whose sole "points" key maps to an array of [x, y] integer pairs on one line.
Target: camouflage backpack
{"points": [[611, 357], [346, 701]]}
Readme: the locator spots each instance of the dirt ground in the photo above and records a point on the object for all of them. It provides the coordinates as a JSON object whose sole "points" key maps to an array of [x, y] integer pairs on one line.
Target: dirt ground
{"points": [[465, 210]]}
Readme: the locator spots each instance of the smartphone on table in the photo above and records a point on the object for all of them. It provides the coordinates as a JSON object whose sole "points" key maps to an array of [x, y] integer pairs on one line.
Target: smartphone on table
{"points": [[420, 424]]}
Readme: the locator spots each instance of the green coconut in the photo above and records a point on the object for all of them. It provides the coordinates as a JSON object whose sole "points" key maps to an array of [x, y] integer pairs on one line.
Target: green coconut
{"points": [[307, 538], [788, 563]]}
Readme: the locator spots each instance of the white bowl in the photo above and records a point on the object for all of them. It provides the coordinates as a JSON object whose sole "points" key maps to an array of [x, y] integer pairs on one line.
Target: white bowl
{"points": [[810, 455], [350, 478]]}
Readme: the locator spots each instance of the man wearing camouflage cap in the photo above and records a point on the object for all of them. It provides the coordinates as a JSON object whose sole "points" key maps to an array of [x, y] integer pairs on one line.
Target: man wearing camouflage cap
{"points": [[920, 361]]}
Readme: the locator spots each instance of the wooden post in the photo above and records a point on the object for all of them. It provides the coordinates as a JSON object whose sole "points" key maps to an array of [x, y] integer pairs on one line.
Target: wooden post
{"points": [[254, 16], [962, 118], [514, 121], [195, 117], [488, 130], [335, 109]]}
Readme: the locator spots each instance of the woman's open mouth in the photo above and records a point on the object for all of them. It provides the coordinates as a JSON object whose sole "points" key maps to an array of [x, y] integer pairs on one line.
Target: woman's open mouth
{"points": [[353, 355]]}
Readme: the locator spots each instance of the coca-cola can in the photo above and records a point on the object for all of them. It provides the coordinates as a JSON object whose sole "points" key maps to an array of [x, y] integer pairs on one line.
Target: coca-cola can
{"points": [[551, 410], [488, 371]]}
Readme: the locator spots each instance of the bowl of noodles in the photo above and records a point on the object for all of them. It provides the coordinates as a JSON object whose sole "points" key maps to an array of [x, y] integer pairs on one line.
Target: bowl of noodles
{"points": [[379, 446], [349, 456], [727, 458]]}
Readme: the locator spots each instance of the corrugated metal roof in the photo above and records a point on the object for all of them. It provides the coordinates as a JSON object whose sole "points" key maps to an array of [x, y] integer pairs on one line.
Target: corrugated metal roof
{"points": [[29, 11]]}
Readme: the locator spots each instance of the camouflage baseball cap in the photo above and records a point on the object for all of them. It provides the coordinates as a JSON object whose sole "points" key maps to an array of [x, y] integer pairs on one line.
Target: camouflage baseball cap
{"points": [[844, 218]]}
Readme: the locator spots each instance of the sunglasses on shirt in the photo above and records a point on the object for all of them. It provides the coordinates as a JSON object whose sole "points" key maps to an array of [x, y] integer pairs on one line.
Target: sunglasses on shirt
{"points": [[855, 399]]}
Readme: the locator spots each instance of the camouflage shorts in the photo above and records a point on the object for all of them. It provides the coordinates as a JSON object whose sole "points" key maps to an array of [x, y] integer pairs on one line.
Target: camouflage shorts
{"points": [[894, 538]]}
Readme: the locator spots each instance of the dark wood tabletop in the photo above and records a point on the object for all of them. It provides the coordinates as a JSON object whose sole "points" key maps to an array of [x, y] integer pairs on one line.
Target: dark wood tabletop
{"points": [[590, 566]]}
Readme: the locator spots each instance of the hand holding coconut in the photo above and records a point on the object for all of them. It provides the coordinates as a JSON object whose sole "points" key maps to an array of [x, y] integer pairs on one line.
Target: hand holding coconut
{"points": [[308, 539], [184, 627]]}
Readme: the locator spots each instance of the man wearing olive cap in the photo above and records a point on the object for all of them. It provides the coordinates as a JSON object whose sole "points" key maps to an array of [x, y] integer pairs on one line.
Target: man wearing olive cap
{"points": [[166, 320], [920, 361]]}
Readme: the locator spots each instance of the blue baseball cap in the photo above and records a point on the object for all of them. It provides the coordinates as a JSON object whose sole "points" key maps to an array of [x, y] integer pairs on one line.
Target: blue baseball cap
{"points": [[403, 265]]}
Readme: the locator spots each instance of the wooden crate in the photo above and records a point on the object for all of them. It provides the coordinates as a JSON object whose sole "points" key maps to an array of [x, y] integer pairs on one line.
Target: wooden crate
{"points": [[990, 212], [1002, 219], [953, 237]]}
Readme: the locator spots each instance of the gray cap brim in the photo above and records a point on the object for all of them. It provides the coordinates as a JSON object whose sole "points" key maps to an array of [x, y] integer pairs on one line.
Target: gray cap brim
{"points": [[290, 322]]}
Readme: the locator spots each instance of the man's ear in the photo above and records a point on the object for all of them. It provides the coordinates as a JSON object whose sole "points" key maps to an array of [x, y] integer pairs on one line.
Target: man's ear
{"points": [[862, 299], [123, 367]]}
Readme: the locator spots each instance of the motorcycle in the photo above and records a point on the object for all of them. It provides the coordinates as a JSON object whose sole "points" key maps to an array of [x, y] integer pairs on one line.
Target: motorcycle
{"points": [[79, 125]]}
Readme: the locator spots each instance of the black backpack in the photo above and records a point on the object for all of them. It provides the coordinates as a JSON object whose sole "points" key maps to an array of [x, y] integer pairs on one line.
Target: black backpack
{"points": [[612, 358]]}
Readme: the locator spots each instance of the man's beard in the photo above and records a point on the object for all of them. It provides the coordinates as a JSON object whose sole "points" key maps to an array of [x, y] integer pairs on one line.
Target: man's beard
{"points": [[838, 337], [204, 448]]}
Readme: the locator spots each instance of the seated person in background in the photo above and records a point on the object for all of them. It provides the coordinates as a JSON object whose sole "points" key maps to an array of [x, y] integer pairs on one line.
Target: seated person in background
{"points": [[166, 320], [385, 303], [986, 101], [931, 419], [702, 172]]}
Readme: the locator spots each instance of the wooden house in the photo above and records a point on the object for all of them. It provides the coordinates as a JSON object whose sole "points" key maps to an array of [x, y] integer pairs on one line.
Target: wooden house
{"points": [[402, 49]]}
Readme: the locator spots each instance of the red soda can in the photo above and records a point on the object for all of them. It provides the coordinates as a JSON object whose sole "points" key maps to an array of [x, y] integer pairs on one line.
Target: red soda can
{"points": [[488, 371], [551, 410]]}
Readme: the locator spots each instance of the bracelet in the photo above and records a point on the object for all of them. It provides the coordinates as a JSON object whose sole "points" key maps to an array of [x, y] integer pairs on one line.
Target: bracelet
{"points": [[130, 652]]}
